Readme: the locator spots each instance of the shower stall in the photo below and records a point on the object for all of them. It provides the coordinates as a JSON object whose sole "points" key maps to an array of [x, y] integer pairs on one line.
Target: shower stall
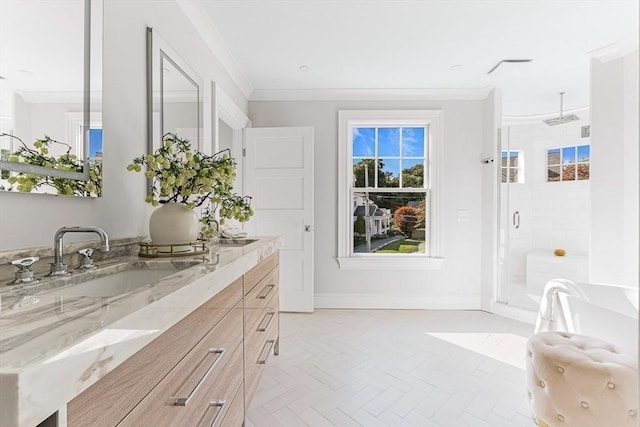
{"points": [[544, 206]]}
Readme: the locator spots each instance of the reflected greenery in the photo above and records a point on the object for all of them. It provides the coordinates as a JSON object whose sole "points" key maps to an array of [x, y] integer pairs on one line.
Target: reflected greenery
{"points": [[26, 182]]}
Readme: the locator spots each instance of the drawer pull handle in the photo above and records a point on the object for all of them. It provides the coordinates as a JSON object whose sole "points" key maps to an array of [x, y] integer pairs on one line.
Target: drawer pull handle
{"points": [[266, 291], [191, 384], [267, 346], [264, 324], [219, 406]]}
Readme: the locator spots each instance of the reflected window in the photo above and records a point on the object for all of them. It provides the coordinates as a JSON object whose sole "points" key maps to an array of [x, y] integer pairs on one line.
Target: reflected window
{"points": [[568, 163], [512, 167]]}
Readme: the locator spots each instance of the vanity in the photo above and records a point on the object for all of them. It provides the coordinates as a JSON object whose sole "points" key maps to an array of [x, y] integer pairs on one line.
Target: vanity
{"points": [[188, 349]]}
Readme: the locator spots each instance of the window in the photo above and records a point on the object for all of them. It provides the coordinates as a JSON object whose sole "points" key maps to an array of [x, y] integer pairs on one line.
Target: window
{"points": [[568, 163], [512, 166], [388, 189]]}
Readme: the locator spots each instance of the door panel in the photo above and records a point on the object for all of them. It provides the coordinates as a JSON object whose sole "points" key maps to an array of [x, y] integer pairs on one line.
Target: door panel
{"points": [[279, 177]]}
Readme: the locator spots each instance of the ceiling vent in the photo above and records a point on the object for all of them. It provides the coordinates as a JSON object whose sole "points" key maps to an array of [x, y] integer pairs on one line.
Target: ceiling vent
{"points": [[508, 61]]}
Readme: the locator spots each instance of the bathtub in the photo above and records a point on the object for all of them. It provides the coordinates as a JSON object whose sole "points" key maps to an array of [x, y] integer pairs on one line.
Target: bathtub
{"points": [[608, 312]]}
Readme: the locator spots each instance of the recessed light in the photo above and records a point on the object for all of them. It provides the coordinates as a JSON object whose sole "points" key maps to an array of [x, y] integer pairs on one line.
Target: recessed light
{"points": [[456, 67], [304, 68]]}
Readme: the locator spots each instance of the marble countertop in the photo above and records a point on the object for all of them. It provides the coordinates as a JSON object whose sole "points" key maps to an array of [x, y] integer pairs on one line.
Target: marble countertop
{"points": [[52, 348]]}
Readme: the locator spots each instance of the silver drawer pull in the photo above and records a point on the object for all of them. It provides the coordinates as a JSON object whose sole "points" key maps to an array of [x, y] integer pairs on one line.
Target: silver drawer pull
{"points": [[218, 405], [267, 346], [267, 289], [196, 377], [264, 324]]}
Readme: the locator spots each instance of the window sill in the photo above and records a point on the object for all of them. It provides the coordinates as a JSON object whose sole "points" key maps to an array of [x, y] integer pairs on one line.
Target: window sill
{"points": [[390, 263]]}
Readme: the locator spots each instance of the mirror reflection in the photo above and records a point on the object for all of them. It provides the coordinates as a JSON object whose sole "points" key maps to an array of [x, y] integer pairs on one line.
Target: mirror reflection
{"points": [[50, 109], [176, 96]]}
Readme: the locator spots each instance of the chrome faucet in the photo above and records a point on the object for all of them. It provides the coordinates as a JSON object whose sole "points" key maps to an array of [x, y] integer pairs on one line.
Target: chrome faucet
{"points": [[58, 268]]}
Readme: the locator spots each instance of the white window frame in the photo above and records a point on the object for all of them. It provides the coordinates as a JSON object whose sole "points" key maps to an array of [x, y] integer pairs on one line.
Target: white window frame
{"points": [[519, 168], [561, 164], [349, 119]]}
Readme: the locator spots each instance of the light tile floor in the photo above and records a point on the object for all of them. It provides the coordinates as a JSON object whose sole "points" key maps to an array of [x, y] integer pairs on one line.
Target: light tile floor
{"points": [[395, 368]]}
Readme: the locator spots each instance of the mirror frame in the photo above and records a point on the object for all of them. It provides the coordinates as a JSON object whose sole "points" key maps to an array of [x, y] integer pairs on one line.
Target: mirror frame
{"points": [[157, 47], [86, 100]]}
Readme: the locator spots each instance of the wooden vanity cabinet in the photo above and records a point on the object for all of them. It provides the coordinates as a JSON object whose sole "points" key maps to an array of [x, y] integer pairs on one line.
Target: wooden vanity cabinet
{"points": [[201, 372], [261, 323]]}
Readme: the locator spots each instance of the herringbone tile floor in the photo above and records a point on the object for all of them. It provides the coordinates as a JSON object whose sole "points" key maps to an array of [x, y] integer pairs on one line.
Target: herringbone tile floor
{"points": [[397, 368]]}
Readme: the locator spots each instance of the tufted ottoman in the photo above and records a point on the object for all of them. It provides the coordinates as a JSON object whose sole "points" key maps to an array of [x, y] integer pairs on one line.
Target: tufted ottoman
{"points": [[579, 381]]}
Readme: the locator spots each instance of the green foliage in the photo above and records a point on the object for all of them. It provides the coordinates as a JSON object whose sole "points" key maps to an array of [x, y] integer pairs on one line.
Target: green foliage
{"points": [[39, 156], [405, 246], [182, 175], [359, 226], [421, 219]]}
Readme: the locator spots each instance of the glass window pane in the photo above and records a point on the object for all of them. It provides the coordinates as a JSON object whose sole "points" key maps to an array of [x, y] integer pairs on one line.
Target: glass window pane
{"points": [[388, 173], [504, 174], [363, 142], [569, 172], [413, 173], [513, 159], [389, 142], [553, 173], [505, 157], [583, 171], [359, 167], [513, 175], [413, 142], [389, 223], [553, 156], [583, 153], [568, 155]]}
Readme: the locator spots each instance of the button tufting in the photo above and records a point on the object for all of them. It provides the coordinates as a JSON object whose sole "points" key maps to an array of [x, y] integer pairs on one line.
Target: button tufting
{"points": [[632, 413], [542, 384], [611, 385], [584, 404], [560, 418], [560, 369]]}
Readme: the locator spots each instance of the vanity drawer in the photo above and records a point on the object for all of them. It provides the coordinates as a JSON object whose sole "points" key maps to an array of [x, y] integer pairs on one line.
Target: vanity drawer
{"points": [[262, 293], [200, 389], [259, 347], [110, 399], [235, 413], [226, 298], [257, 273]]}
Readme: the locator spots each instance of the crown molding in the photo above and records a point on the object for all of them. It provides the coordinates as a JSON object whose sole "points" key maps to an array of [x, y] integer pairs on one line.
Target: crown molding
{"points": [[581, 111], [197, 14], [59, 97], [618, 49], [371, 94]]}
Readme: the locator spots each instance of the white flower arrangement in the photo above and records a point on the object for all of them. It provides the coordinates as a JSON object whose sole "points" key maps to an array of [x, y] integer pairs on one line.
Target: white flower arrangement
{"points": [[180, 175]]}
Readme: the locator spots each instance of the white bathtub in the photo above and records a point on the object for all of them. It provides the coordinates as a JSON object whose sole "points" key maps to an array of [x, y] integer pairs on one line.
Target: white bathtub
{"points": [[609, 312]]}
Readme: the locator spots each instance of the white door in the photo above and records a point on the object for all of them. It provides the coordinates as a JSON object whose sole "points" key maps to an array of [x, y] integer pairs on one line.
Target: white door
{"points": [[279, 177]]}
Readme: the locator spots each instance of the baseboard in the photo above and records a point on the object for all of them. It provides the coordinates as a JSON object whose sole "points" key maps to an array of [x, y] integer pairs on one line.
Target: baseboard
{"points": [[400, 302], [514, 313]]}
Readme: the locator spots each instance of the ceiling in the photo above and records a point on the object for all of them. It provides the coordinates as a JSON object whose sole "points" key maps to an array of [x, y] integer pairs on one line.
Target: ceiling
{"points": [[417, 44]]}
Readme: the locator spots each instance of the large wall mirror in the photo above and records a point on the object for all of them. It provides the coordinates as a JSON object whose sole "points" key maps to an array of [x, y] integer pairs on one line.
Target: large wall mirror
{"points": [[174, 95], [50, 96]]}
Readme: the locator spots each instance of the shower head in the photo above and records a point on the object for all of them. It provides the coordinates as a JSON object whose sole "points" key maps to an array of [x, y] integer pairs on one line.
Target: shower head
{"points": [[562, 119]]}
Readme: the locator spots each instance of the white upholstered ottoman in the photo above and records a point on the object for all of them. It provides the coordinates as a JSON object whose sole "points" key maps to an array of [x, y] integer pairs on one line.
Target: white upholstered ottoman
{"points": [[579, 381]]}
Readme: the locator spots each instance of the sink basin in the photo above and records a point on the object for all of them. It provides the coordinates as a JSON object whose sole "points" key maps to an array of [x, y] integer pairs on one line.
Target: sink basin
{"points": [[233, 242], [112, 284]]}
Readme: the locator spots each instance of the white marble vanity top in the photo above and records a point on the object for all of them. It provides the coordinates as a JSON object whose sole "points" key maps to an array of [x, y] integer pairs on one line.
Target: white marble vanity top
{"points": [[52, 348]]}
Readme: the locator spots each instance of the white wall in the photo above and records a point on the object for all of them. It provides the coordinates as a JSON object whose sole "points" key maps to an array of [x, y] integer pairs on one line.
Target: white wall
{"points": [[28, 220], [614, 183], [457, 284]]}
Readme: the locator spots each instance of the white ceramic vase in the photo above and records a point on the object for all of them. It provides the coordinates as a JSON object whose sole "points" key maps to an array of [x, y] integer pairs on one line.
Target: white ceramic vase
{"points": [[173, 223]]}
